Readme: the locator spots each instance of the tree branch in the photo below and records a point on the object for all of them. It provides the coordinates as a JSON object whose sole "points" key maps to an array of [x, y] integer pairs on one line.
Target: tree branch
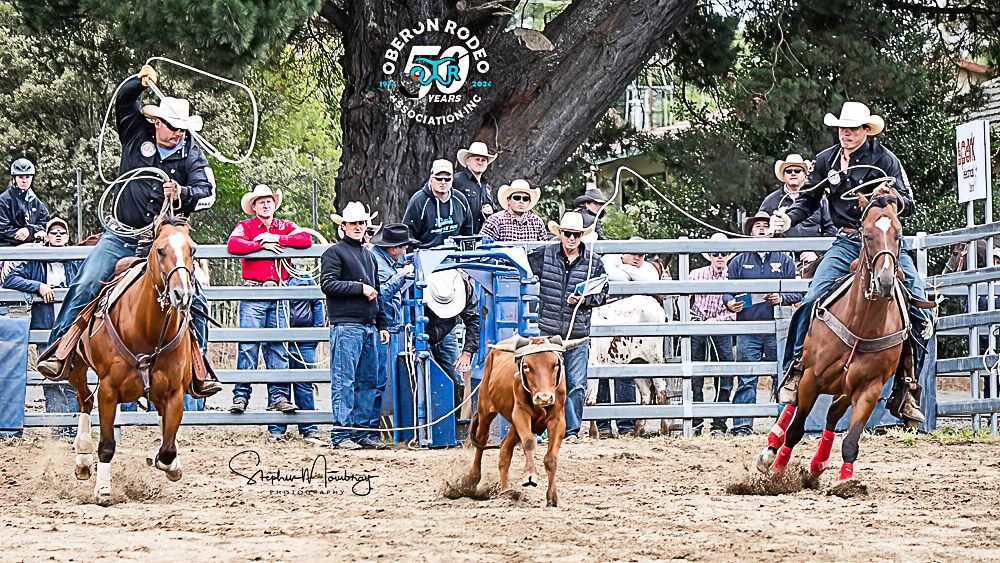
{"points": [[336, 15], [970, 9]]}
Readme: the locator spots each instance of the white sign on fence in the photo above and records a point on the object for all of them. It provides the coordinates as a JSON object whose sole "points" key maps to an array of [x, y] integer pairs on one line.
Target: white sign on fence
{"points": [[972, 151]]}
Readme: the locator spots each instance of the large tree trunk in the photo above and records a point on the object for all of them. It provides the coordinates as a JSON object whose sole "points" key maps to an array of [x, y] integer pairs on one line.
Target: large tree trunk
{"points": [[542, 106]]}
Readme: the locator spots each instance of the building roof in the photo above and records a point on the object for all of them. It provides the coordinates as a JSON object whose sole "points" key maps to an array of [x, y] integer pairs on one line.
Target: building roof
{"points": [[990, 110]]}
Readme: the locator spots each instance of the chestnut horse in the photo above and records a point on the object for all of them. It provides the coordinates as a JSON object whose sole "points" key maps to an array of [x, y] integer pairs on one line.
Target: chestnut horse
{"points": [[140, 346], [869, 317]]}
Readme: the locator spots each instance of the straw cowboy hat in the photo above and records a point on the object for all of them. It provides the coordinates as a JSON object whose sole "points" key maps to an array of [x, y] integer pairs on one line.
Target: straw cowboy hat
{"points": [[176, 112], [856, 114], [518, 186], [354, 212], [718, 236], [749, 221], [445, 293], [571, 221], [259, 191], [475, 149], [791, 160], [592, 194]]}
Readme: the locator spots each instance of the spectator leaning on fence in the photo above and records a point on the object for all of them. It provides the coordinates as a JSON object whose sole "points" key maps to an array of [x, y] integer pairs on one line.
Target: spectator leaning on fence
{"points": [[560, 268], [41, 278], [436, 211], [264, 231], [710, 307], [349, 279], [476, 159], [151, 136], [516, 222], [750, 307], [22, 215], [792, 173], [390, 245]]}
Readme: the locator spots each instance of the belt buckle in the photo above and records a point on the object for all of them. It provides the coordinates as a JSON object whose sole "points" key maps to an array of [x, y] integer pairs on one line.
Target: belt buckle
{"points": [[270, 283]]}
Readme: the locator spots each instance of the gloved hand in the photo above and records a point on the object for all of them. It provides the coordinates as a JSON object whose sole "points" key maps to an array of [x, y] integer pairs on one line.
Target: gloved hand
{"points": [[148, 75], [779, 223]]}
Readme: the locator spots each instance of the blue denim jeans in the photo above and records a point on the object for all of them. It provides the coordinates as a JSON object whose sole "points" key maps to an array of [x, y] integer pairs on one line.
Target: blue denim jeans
{"points": [[624, 393], [300, 356], [353, 379], [718, 348], [576, 361], [446, 353], [263, 314], [751, 348], [97, 268], [836, 264]]}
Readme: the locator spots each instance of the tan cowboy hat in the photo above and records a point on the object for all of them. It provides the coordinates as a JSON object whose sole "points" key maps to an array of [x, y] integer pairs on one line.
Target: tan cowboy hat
{"points": [[176, 112], [856, 114], [445, 293], [718, 236], [518, 186], [354, 212], [571, 221], [475, 149], [791, 160], [750, 220], [259, 191]]}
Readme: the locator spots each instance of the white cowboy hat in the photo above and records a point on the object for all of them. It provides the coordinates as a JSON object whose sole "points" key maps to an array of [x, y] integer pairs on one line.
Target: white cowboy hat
{"points": [[518, 186], [259, 191], [856, 114], [354, 212], [718, 236], [445, 293], [791, 160], [476, 149], [176, 112], [571, 221]]}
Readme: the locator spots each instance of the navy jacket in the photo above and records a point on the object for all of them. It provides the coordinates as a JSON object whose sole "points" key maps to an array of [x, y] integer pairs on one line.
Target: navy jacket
{"points": [[819, 224], [304, 312], [557, 279], [141, 202], [749, 266], [18, 209], [28, 277], [477, 195], [431, 220], [346, 267], [845, 213]]}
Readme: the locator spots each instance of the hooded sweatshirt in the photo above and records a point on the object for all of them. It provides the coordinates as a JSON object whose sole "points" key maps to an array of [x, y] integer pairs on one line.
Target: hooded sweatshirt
{"points": [[432, 220]]}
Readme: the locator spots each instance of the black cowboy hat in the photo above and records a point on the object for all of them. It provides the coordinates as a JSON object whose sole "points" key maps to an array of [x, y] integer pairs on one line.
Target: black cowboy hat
{"points": [[393, 234], [591, 195]]}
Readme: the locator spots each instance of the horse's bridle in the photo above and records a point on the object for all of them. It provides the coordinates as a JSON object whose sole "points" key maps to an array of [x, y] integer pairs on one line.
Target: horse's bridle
{"points": [[162, 295], [894, 256]]}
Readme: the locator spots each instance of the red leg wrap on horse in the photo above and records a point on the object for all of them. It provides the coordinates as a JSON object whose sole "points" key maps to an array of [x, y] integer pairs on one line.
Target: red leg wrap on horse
{"points": [[822, 453], [781, 462], [776, 438], [847, 471]]}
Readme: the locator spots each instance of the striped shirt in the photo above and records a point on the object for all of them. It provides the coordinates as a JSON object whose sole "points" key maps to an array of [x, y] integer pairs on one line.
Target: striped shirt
{"points": [[504, 226], [709, 306]]}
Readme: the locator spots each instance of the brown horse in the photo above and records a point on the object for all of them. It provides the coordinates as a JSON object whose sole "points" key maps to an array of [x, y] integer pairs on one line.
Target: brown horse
{"points": [[868, 317], [140, 346]]}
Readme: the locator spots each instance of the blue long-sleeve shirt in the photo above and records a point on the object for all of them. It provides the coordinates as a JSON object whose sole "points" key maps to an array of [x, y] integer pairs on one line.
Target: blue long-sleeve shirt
{"points": [[392, 283], [750, 266]]}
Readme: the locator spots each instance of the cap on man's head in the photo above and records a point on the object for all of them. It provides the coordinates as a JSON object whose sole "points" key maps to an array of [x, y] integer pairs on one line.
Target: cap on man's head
{"points": [[441, 166], [56, 221]]}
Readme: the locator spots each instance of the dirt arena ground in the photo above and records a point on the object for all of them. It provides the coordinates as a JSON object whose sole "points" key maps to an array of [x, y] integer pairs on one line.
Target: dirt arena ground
{"points": [[629, 499]]}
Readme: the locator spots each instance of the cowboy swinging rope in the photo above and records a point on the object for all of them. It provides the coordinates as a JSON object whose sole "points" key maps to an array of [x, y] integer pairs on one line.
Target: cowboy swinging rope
{"points": [[109, 219]]}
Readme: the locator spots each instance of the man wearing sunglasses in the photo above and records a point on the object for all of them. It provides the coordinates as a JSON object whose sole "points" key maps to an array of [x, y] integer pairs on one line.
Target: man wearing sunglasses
{"points": [[40, 278], [151, 136], [437, 212], [792, 173], [516, 222]]}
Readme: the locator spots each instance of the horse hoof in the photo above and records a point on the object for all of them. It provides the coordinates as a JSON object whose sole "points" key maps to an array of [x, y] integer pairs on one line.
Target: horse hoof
{"points": [[174, 475], [765, 459], [102, 493], [84, 465], [530, 481], [817, 469]]}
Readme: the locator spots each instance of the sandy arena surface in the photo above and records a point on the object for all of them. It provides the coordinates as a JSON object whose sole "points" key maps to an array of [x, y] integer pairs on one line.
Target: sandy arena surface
{"points": [[629, 499]]}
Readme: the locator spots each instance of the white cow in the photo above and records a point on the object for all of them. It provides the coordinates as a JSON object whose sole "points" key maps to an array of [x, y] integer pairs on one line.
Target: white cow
{"points": [[628, 349]]}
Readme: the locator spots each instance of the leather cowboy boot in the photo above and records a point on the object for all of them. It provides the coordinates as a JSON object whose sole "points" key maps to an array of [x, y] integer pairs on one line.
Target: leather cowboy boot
{"points": [[206, 388], [788, 393], [50, 368]]}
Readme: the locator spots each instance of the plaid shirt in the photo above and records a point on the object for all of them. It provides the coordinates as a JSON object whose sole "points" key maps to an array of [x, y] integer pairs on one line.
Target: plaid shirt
{"points": [[504, 226], [709, 306]]}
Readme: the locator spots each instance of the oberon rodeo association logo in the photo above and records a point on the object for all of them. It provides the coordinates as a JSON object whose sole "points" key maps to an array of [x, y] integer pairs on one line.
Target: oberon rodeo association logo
{"points": [[431, 63]]}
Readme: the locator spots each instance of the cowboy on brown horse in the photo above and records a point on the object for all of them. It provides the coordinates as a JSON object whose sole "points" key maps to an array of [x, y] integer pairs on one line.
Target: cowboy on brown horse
{"points": [[153, 137], [858, 161]]}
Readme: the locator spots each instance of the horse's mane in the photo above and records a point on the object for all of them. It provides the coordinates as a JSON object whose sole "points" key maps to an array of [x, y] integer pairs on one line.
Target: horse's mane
{"points": [[173, 221]]}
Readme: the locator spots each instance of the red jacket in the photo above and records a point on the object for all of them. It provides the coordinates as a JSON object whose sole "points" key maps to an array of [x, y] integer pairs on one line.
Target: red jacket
{"points": [[241, 241]]}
